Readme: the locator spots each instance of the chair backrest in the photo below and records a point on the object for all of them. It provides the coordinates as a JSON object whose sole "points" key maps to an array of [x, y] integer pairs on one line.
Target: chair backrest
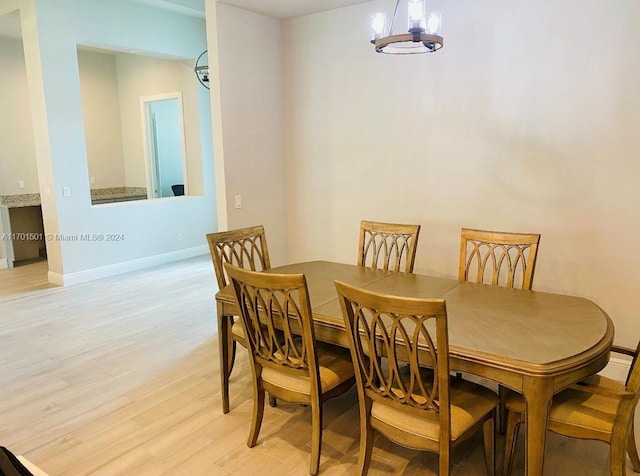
{"points": [[627, 406], [404, 331], [388, 245], [178, 189], [498, 258], [276, 312], [245, 248]]}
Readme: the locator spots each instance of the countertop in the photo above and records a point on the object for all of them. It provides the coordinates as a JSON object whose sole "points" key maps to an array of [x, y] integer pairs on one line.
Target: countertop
{"points": [[33, 199]]}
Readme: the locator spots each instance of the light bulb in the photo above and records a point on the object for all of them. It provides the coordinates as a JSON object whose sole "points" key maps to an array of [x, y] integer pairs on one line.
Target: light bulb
{"points": [[416, 15], [433, 23], [378, 25]]}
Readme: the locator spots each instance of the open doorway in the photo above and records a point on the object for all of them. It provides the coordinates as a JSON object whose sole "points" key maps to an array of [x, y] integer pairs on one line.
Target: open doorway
{"points": [[165, 151]]}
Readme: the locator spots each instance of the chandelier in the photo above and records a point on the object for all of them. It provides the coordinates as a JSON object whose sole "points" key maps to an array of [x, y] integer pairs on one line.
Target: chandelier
{"points": [[202, 69], [423, 34]]}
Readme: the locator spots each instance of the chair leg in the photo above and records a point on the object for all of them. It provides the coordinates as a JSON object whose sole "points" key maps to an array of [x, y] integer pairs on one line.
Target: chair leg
{"points": [[366, 440], [511, 436], [502, 409], [258, 412], [632, 449], [444, 461], [224, 331], [489, 433], [273, 402], [316, 436]]}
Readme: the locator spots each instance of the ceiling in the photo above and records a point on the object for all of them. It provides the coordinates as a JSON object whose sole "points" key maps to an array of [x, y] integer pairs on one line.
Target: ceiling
{"points": [[273, 8], [290, 8], [10, 24]]}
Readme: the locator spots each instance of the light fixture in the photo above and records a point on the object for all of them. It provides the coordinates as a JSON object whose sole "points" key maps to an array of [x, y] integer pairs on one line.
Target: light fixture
{"points": [[423, 34], [202, 69]]}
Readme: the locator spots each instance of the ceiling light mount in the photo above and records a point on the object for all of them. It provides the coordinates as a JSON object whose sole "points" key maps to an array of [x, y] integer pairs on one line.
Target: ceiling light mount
{"points": [[423, 34]]}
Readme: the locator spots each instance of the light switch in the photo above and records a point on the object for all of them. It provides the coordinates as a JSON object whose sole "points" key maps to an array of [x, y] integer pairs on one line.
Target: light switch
{"points": [[66, 191]]}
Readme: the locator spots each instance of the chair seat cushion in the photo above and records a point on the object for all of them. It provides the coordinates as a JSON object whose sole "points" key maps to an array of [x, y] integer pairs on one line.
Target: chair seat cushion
{"points": [[334, 364], [578, 408], [469, 404]]}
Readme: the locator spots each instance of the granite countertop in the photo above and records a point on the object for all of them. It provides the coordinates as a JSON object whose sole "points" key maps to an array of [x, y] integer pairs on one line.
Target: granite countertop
{"points": [[33, 199], [117, 192], [20, 200]]}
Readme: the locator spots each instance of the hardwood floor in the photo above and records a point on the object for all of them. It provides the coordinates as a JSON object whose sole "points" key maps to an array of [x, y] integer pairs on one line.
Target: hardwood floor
{"points": [[120, 376]]}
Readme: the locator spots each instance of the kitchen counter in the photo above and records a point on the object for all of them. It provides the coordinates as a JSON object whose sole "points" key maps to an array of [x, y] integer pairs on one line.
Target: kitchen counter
{"points": [[98, 195]]}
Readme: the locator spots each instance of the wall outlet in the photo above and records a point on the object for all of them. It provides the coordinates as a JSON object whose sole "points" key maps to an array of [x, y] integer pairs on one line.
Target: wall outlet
{"points": [[238, 201], [66, 191], [179, 236], [47, 191], [20, 183], [92, 180]]}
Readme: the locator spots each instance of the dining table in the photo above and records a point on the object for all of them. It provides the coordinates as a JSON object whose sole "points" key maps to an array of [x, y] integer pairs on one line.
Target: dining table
{"points": [[534, 343]]}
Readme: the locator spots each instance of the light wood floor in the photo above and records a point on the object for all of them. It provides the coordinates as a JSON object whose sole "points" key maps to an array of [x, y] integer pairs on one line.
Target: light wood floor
{"points": [[120, 376]]}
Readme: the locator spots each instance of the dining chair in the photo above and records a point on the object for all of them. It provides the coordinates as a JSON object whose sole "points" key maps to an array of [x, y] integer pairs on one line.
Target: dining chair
{"points": [[498, 258], [388, 245], [246, 248], [597, 408], [390, 339], [291, 364]]}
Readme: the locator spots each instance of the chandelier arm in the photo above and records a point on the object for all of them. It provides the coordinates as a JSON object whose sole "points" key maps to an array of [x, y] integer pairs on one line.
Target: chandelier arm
{"points": [[395, 15]]}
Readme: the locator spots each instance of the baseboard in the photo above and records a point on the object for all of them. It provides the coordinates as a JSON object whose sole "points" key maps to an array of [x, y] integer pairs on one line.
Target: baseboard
{"points": [[125, 267], [4, 264], [617, 369]]}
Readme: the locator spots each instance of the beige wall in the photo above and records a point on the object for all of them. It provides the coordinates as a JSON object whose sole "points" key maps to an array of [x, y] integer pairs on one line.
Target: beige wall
{"points": [[101, 113], [140, 76], [249, 104], [17, 152], [521, 123]]}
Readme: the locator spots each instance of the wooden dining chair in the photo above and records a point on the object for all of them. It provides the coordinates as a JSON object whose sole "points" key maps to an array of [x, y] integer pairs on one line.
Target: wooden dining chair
{"points": [[390, 338], [245, 248], [596, 409], [290, 364], [498, 258], [388, 246]]}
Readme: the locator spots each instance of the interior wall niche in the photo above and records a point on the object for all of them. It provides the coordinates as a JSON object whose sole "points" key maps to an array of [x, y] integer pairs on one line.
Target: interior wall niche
{"points": [[133, 152]]}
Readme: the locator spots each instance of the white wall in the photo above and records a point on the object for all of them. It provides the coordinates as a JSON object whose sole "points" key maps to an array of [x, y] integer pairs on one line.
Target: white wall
{"points": [[17, 152], [51, 29], [247, 82], [522, 122], [101, 112]]}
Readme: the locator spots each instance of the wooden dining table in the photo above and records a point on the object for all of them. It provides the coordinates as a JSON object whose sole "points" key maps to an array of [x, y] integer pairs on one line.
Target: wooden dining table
{"points": [[535, 343]]}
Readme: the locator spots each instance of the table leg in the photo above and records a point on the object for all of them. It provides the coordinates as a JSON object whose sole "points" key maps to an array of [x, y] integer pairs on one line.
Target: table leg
{"points": [[538, 393]]}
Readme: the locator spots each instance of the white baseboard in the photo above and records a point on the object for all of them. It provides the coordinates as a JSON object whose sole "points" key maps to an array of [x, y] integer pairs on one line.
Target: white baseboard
{"points": [[3, 263], [125, 267], [617, 369]]}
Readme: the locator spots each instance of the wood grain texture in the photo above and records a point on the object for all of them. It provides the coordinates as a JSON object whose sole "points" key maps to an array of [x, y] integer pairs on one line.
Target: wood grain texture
{"points": [[246, 248], [388, 246], [120, 376], [412, 406], [498, 258]]}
